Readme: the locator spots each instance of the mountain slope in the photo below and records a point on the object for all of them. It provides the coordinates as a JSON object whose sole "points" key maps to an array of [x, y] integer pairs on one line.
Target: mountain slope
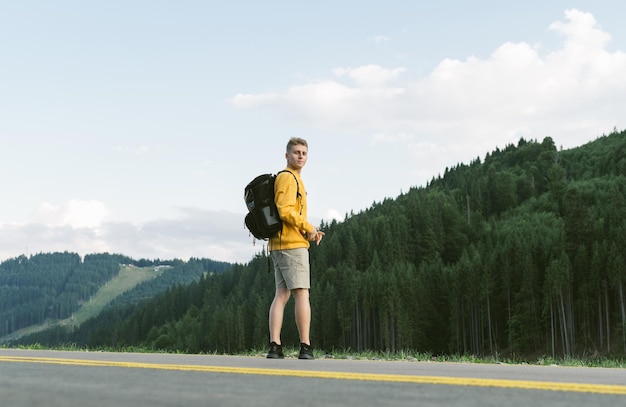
{"points": [[52, 289], [129, 277]]}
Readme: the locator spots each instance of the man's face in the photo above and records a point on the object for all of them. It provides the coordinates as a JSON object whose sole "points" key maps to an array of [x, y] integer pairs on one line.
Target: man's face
{"points": [[297, 156]]}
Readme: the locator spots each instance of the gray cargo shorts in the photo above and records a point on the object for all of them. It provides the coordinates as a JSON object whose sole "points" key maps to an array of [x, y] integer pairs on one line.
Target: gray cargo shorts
{"points": [[291, 268]]}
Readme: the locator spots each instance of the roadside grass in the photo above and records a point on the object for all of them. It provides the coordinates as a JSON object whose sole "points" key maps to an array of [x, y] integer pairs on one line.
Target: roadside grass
{"points": [[401, 356]]}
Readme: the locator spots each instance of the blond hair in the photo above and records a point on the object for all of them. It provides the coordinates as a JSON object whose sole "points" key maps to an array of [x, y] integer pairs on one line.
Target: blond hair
{"points": [[296, 141]]}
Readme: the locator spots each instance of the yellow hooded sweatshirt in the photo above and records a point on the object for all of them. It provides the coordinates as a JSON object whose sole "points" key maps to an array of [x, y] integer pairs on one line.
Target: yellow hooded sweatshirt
{"points": [[290, 197]]}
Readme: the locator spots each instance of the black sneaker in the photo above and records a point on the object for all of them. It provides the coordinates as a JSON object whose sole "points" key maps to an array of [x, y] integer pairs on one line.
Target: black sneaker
{"points": [[276, 351], [306, 351]]}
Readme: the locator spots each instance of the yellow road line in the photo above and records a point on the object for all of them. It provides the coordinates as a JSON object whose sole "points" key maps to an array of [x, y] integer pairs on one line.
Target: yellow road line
{"points": [[455, 381]]}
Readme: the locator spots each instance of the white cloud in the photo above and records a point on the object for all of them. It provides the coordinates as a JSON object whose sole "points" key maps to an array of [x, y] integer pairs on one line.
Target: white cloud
{"points": [[333, 214], [75, 213], [218, 235], [250, 100], [195, 233], [576, 91], [370, 75], [582, 33], [34, 238]]}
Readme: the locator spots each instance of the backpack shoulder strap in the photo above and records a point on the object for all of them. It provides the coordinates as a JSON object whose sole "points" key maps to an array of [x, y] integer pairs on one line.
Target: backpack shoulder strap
{"points": [[294, 177]]}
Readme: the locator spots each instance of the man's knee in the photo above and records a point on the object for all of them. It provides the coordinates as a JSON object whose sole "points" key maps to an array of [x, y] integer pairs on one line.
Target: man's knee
{"points": [[282, 295], [300, 293]]}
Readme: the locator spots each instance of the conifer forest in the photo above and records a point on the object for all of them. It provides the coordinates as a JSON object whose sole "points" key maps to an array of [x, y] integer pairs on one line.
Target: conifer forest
{"points": [[518, 253]]}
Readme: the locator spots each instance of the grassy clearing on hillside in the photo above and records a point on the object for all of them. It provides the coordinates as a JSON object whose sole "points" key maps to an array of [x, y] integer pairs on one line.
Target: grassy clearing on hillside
{"points": [[128, 278]]}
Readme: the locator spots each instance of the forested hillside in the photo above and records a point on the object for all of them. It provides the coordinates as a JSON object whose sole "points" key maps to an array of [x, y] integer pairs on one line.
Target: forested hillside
{"points": [[48, 287], [517, 254]]}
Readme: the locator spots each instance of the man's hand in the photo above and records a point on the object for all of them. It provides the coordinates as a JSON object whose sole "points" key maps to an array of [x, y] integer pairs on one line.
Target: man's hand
{"points": [[316, 236]]}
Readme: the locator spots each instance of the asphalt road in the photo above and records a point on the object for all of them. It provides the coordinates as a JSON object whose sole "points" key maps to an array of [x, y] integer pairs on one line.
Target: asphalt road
{"points": [[54, 378]]}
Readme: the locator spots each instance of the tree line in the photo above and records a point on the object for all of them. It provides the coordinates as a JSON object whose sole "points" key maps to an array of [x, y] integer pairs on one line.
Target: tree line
{"points": [[519, 254]]}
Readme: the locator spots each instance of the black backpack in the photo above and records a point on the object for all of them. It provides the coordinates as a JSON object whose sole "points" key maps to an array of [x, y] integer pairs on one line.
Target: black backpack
{"points": [[262, 219]]}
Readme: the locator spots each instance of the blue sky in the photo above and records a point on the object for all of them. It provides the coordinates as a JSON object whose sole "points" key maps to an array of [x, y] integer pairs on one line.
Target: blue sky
{"points": [[132, 126]]}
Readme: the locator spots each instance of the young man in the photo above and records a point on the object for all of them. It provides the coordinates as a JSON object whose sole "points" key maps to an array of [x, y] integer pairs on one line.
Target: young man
{"points": [[289, 250]]}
